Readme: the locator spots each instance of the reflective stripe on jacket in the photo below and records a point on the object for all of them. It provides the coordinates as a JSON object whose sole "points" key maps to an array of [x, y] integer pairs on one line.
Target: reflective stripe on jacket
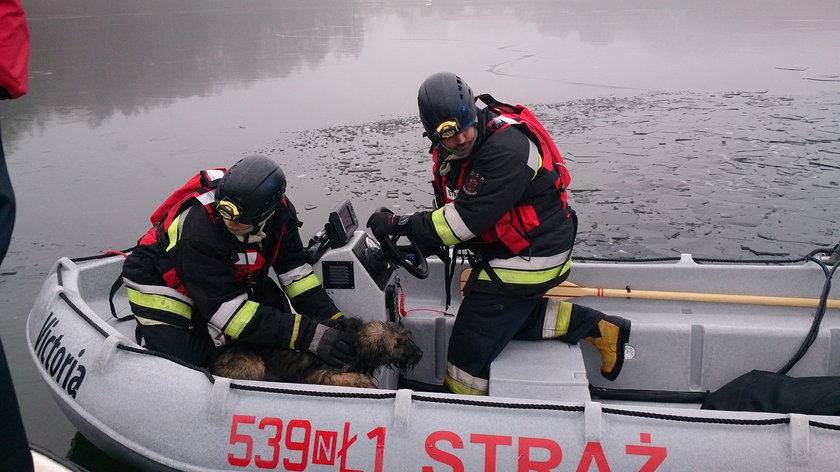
{"points": [[191, 264], [513, 227], [502, 202]]}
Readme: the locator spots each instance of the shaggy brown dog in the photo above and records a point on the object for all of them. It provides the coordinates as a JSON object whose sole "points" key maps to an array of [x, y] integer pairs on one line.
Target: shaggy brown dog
{"points": [[378, 344]]}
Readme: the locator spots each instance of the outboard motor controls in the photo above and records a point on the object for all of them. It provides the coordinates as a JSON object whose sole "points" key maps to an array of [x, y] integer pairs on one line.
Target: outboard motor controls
{"points": [[373, 258], [352, 267], [317, 246]]}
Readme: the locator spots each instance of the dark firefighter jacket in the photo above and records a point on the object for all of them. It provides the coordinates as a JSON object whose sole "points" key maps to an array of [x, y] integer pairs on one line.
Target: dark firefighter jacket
{"points": [[502, 173], [197, 275]]}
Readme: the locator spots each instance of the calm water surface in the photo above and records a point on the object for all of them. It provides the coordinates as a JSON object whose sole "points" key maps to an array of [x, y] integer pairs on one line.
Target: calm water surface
{"points": [[703, 126]]}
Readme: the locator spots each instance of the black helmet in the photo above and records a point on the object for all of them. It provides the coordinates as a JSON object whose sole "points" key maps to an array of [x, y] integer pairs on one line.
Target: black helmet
{"points": [[250, 190], [446, 104]]}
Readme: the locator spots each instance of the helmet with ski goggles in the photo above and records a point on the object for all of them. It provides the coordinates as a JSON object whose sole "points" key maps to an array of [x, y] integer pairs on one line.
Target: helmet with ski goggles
{"points": [[447, 106], [251, 190]]}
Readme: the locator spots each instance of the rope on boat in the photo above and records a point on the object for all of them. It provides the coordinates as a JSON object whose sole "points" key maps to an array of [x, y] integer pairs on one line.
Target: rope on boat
{"points": [[89, 321], [615, 411], [819, 424], [699, 260], [694, 419], [148, 352], [491, 404], [312, 393]]}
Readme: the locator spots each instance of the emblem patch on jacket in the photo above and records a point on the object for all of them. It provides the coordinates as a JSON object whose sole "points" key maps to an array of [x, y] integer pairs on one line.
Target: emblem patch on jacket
{"points": [[473, 183]]}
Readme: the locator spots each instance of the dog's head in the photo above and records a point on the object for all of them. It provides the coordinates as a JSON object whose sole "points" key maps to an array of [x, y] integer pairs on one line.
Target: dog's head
{"points": [[383, 343]]}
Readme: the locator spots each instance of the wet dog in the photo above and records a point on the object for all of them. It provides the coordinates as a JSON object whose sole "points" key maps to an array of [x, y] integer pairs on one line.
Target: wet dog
{"points": [[378, 344]]}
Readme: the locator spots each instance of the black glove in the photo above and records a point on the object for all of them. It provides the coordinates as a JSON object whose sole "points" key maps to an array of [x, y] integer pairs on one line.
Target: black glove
{"points": [[331, 345], [384, 222]]}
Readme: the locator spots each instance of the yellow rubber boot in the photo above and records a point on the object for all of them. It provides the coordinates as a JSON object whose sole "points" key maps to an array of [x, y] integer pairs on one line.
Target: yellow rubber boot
{"points": [[614, 333]]}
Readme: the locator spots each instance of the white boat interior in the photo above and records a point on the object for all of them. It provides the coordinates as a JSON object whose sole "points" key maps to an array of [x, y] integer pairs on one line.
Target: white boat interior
{"points": [[682, 346]]}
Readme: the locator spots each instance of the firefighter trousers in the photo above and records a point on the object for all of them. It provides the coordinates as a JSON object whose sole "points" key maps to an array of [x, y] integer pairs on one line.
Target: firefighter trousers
{"points": [[487, 321]]}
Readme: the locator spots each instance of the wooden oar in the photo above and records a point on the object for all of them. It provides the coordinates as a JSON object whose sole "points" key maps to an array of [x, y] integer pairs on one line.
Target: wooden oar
{"points": [[568, 290]]}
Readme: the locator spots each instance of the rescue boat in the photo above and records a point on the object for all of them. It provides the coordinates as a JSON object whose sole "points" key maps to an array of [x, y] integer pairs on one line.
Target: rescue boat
{"points": [[697, 325]]}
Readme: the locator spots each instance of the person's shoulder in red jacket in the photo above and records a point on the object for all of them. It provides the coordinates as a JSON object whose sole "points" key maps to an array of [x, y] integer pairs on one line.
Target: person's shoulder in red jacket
{"points": [[14, 50]]}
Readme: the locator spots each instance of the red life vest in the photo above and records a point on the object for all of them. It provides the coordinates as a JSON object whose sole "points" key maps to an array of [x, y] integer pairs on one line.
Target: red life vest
{"points": [[512, 228], [14, 50], [249, 264]]}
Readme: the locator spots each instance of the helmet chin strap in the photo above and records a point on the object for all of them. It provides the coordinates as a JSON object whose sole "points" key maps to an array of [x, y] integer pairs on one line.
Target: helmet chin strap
{"points": [[254, 234], [447, 163]]}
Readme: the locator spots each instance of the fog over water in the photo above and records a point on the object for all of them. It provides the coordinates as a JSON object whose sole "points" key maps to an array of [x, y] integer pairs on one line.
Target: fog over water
{"points": [[701, 126]]}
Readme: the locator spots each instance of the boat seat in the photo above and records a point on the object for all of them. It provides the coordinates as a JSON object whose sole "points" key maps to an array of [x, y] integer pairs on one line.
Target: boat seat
{"points": [[548, 370], [542, 370]]}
